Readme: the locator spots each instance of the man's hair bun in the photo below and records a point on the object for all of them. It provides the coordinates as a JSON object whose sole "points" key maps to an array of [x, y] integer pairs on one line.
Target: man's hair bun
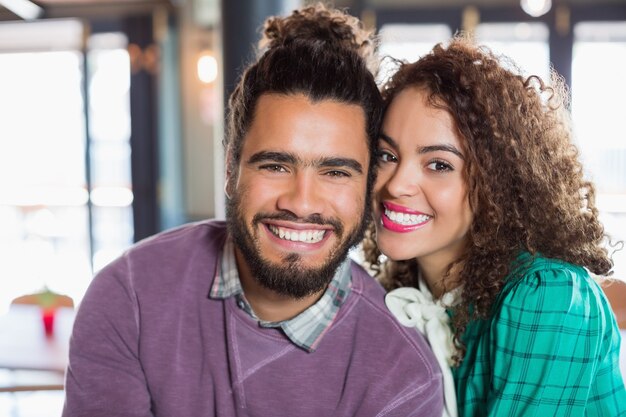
{"points": [[319, 23]]}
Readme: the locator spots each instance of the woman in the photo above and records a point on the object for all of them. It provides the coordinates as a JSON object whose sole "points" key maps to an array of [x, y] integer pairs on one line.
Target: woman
{"points": [[482, 207]]}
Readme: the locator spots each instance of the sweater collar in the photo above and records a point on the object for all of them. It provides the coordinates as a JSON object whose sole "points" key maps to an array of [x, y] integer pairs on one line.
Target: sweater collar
{"points": [[307, 328]]}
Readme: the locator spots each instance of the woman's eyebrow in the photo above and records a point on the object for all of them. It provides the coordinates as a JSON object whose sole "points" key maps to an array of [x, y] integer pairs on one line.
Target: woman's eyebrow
{"points": [[388, 140], [444, 148], [426, 149]]}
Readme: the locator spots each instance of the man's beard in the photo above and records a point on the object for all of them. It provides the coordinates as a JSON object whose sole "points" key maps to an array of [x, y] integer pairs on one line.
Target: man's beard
{"points": [[290, 277]]}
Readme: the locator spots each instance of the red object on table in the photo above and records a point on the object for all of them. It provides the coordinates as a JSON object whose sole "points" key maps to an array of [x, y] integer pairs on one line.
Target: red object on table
{"points": [[47, 316]]}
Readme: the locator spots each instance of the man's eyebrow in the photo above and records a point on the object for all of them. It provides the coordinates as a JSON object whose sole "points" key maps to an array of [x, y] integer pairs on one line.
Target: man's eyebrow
{"points": [[350, 163], [426, 149], [290, 158], [272, 156]]}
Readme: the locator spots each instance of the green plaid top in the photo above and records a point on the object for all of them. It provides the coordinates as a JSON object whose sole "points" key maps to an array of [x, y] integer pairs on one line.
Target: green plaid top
{"points": [[549, 348]]}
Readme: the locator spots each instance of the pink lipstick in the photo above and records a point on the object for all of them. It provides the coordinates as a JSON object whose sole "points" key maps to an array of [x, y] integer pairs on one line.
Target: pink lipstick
{"points": [[401, 219]]}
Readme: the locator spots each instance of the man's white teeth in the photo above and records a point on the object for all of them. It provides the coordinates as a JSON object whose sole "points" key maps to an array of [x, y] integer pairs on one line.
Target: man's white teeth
{"points": [[306, 236], [406, 218]]}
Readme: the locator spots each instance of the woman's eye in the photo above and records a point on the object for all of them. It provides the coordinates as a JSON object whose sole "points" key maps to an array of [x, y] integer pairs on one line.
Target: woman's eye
{"points": [[385, 156], [440, 166]]}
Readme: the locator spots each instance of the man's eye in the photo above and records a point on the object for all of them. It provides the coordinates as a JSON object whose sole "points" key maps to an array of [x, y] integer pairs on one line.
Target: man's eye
{"points": [[338, 174], [273, 168]]}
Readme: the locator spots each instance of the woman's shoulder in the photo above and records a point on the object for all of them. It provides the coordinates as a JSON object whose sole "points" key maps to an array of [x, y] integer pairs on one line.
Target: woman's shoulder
{"points": [[527, 264], [538, 283]]}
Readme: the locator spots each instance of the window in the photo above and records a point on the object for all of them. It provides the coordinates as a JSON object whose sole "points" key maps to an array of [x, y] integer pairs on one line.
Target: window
{"points": [[109, 112], [598, 89], [408, 42], [56, 225], [524, 43]]}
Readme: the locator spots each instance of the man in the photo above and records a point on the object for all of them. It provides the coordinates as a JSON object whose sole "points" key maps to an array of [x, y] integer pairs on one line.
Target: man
{"points": [[262, 315]]}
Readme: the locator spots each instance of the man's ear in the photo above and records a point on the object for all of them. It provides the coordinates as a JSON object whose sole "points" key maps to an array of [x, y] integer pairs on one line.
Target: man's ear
{"points": [[229, 176]]}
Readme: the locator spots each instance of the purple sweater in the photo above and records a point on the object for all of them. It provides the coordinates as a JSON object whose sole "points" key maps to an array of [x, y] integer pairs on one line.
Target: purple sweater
{"points": [[149, 342]]}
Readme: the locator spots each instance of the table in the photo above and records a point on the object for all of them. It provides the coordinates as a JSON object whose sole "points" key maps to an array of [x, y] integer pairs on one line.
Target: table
{"points": [[32, 358]]}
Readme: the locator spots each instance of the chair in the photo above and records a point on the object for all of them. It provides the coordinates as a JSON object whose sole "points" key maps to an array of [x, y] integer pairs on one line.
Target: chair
{"points": [[45, 298]]}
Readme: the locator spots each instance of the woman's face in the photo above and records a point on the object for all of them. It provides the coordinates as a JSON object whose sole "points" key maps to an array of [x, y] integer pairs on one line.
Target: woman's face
{"points": [[421, 207]]}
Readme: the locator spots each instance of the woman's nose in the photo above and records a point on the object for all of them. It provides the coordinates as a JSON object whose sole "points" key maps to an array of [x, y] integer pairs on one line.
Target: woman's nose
{"points": [[404, 181]]}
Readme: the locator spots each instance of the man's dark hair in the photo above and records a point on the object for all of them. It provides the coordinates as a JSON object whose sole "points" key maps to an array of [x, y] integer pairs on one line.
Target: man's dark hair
{"points": [[316, 69]]}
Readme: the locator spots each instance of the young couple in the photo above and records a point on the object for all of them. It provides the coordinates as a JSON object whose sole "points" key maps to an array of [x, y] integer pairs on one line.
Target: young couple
{"points": [[478, 203]]}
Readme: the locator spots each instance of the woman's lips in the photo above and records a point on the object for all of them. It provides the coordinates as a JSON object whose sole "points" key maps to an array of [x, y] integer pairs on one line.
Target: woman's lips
{"points": [[402, 219]]}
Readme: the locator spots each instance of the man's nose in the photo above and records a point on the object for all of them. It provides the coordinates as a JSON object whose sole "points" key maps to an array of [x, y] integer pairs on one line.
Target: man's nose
{"points": [[302, 195]]}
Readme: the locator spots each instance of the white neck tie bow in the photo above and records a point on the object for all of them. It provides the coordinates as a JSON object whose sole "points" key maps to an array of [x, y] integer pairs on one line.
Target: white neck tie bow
{"points": [[415, 308]]}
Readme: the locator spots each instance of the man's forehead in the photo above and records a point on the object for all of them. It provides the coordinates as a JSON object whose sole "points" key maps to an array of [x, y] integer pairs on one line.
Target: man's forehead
{"points": [[297, 124], [301, 98]]}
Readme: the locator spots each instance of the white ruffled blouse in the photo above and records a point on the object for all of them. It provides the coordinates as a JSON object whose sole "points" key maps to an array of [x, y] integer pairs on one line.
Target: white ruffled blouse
{"points": [[416, 308]]}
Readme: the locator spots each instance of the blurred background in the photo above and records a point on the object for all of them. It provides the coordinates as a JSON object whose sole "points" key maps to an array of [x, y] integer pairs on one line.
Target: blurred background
{"points": [[112, 113]]}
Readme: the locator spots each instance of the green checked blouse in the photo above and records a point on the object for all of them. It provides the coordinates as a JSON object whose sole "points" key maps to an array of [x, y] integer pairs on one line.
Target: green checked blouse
{"points": [[550, 348]]}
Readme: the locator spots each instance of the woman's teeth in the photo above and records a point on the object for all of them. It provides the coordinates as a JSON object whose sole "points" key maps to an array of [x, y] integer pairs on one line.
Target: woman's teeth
{"points": [[406, 218], [306, 236]]}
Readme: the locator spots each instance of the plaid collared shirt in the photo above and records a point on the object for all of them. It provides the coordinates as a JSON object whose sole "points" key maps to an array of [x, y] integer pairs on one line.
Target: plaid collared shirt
{"points": [[307, 328]]}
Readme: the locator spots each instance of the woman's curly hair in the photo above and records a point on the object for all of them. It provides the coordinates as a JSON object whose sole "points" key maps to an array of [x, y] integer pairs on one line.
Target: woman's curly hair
{"points": [[524, 180], [323, 24]]}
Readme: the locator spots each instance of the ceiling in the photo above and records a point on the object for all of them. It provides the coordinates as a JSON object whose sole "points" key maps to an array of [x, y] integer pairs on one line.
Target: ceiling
{"points": [[90, 8], [86, 8], [460, 3]]}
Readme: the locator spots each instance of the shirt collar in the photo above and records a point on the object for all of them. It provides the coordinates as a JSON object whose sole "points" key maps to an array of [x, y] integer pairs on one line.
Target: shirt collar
{"points": [[307, 328]]}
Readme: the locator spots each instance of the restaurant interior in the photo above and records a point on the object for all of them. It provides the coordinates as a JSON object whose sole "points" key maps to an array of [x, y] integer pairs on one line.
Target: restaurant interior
{"points": [[112, 118]]}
